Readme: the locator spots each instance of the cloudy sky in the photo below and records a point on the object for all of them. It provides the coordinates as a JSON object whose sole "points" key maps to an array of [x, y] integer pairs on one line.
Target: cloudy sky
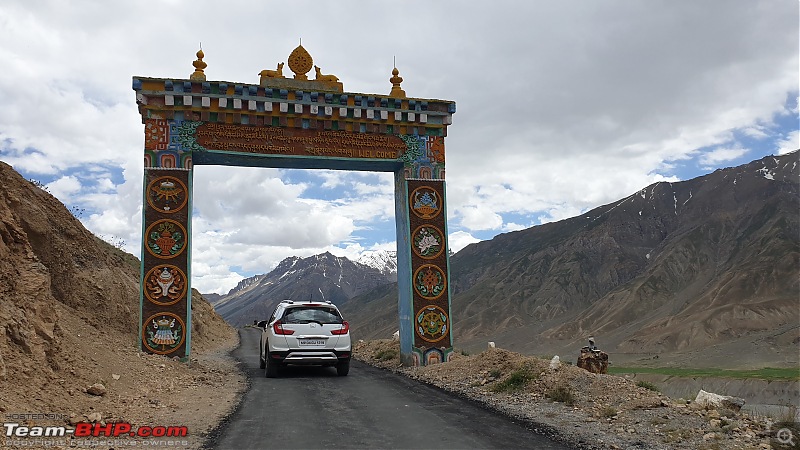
{"points": [[561, 107]]}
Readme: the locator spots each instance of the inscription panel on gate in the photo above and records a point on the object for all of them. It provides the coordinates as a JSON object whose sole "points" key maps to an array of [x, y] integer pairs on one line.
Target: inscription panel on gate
{"points": [[298, 142]]}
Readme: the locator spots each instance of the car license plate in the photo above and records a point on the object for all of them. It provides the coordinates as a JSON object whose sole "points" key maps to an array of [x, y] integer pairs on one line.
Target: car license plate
{"points": [[311, 342]]}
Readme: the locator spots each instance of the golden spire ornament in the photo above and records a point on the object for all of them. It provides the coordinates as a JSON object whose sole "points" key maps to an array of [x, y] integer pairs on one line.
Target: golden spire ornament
{"points": [[396, 80], [199, 65], [300, 62]]}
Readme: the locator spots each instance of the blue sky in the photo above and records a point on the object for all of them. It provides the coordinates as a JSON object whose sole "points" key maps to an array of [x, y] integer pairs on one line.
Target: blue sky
{"points": [[562, 107]]}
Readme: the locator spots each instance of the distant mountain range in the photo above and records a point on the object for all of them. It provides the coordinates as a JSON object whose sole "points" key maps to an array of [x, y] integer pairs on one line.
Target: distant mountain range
{"points": [[707, 269], [320, 277]]}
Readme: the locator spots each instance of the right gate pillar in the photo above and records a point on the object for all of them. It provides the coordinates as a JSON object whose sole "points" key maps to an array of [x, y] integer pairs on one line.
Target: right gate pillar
{"points": [[423, 254]]}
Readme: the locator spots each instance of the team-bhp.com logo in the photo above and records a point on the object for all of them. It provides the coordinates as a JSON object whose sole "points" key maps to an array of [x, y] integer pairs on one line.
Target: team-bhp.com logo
{"points": [[86, 429]]}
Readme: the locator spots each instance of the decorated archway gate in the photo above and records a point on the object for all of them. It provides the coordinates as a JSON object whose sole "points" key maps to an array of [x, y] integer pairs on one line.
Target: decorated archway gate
{"points": [[293, 123]]}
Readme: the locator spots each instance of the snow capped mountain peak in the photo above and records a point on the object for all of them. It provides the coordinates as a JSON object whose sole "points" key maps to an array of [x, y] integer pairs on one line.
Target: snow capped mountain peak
{"points": [[383, 260]]}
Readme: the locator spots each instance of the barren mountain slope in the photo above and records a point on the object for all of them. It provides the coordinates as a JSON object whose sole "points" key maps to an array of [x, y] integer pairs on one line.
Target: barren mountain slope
{"points": [[707, 268]]}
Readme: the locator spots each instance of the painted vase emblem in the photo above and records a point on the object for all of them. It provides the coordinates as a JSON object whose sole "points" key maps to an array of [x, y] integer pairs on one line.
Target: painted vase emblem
{"points": [[166, 239]]}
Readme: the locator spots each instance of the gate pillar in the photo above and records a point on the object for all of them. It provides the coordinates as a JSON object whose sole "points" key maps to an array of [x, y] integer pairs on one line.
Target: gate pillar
{"points": [[165, 287]]}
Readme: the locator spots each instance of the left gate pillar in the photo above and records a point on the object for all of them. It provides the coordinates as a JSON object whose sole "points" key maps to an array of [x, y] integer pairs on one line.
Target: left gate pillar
{"points": [[165, 290]]}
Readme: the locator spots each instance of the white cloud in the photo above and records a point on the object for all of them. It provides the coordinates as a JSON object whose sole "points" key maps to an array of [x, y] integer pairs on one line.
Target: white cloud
{"points": [[64, 188], [790, 143], [722, 155], [561, 107], [460, 239], [479, 218]]}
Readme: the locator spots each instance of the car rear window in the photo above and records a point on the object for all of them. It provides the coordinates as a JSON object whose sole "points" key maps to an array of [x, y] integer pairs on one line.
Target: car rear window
{"points": [[311, 314]]}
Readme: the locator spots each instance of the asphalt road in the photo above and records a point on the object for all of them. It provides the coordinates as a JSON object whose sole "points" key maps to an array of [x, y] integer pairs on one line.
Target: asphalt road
{"points": [[313, 408]]}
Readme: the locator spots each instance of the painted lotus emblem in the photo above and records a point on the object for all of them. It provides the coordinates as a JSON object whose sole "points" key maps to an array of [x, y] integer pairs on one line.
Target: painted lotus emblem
{"points": [[427, 241]]}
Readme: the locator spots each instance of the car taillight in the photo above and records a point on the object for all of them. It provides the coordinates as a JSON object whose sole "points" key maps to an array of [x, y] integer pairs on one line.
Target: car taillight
{"points": [[277, 327], [345, 328]]}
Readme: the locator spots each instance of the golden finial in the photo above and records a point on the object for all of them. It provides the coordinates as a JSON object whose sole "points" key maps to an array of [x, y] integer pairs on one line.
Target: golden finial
{"points": [[300, 62], [199, 65], [396, 80]]}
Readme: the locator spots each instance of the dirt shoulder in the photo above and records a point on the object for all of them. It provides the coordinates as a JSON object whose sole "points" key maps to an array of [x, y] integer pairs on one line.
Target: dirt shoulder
{"points": [[587, 410]]}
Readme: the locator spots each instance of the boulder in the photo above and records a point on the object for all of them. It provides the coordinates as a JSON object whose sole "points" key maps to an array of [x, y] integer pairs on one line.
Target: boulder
{"points": [[594, 361], [96, 389], [555, 363], [711, 400]]}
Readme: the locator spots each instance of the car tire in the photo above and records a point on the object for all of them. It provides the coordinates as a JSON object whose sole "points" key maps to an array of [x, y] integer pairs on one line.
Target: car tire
{"points": [[261, 363], [271, 367], [343, 368]]}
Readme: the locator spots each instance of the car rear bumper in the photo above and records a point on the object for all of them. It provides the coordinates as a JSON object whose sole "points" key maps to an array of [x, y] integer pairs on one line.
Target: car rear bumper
{"points": [[311, 357]]}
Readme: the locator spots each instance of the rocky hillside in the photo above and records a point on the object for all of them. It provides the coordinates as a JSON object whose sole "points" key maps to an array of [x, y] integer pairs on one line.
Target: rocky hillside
{"points": [[320, 277], [706, 268], [69, 311]]}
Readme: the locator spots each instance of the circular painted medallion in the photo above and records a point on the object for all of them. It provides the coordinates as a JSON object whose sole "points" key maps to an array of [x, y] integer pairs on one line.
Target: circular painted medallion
{"points": [[167, 194], [428, 241], [425, 203], [166, 239], [431, 323], [163, 332], [430, 281], [165, 285]]}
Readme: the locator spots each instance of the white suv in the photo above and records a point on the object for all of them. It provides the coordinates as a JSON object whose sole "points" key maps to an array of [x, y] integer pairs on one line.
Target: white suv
{"points": [[305, 332]]}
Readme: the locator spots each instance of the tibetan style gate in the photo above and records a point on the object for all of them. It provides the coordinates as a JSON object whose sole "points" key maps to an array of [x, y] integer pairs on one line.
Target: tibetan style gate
{"points": [[292, 123]]}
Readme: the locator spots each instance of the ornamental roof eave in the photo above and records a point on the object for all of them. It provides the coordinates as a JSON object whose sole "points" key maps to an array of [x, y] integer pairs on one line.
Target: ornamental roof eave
{"points": [[145, 85]]}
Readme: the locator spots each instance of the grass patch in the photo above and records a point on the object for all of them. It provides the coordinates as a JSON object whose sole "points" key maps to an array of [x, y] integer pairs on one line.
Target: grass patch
{"points": [[649, 386], [495, 373], [515, 381], [767, 373], [385, 355], [608, 412], [562, 394]]}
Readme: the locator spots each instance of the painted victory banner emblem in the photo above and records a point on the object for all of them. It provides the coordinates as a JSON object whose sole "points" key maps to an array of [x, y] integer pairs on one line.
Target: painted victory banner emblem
{"points": [[425, 203], [162, 333], [165, 285], [166, 239], [427, 241], [167, 194], [429, 281], [431, 323]]}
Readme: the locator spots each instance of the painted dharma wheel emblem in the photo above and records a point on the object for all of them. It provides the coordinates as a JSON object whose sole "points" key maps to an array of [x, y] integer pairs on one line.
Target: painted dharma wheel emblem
{"points": [[166, 239], [167, 194], [425, 203], [428, 242], [162, 333], [431, 323], [165, 285], [430, 281]]}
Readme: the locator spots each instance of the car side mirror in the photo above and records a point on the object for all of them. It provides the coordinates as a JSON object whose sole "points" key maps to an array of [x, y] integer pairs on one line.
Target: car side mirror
{"points": [[262, 324]]}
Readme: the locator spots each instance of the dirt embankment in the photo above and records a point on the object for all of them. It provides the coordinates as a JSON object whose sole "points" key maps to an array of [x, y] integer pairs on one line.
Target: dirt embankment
{"points": [[585, 409], [69, 312]]}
